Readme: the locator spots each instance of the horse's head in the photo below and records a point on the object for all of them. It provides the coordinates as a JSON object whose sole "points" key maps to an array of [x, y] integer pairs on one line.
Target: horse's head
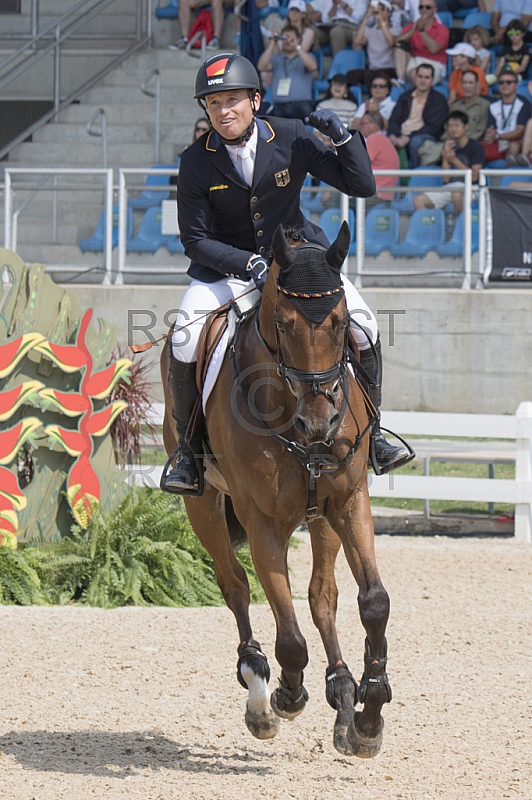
{"points": [[311, 325]]}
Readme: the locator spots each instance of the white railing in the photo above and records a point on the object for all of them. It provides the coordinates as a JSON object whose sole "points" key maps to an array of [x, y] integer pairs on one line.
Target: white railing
{"points": [[517, 492], [11, 214]]}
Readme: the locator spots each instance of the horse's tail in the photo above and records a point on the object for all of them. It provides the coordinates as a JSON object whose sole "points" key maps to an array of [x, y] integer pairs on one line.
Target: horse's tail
{"points": [[237, 534]]}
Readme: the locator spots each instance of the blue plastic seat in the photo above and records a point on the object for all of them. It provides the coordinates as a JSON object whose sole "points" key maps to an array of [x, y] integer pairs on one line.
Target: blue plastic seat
{"points": [[396, 92], [153, 197], [499, 163], [344, 60], [96, 242], [462, 13], [446, 18], [175, 245], [405, 204], [454, 248], [149, 236], [168, 11], [330, 221], [310, 202], [382, 230], [522, 90], [506, 180], [478, 18], [443, 88], [425, 232]]}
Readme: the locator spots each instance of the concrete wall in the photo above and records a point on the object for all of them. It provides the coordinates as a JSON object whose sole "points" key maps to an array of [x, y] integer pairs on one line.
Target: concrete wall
{"points": [[445, 350]]}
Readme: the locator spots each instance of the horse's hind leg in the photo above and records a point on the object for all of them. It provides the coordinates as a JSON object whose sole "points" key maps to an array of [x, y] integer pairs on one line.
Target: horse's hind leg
{"points": [[354, 525], [340, 686], [209, 518]]}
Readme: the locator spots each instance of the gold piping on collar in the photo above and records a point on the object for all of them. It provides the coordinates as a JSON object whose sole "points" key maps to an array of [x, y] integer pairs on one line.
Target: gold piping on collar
{"points": [[207, 143], [271, 129]]}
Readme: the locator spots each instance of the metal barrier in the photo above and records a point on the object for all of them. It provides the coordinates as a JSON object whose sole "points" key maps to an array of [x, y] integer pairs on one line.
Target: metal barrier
{"points": [[11, 214], [155, 73]]}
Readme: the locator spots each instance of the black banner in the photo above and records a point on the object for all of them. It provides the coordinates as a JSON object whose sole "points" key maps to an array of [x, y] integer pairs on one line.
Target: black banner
{"points": [[511, 212], [9, 6]]}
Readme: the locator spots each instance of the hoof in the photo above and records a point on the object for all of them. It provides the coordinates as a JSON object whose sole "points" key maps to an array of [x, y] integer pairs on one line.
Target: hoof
{"points": [[341, 741], [262, 726], [288, 710], [363, 746]]}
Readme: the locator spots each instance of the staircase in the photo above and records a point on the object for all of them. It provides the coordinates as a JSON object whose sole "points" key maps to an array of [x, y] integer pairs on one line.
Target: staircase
{"points": [[130, 116]]}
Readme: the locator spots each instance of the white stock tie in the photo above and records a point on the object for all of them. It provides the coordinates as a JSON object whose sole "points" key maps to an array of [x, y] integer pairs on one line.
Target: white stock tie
{"points": [[246, 165]]}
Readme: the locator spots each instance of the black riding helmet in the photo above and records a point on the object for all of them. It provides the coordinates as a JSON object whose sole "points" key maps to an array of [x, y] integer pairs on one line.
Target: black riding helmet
{"points": [[225, 71]]}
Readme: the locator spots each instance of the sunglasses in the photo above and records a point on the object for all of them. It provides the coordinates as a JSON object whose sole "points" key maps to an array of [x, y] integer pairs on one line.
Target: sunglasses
{"points": [[508, 82], [428, 8], [514, 33], [379, 86]]}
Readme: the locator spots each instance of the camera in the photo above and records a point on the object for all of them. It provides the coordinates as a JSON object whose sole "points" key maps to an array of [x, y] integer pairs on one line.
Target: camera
{"points": [[279, 37]]}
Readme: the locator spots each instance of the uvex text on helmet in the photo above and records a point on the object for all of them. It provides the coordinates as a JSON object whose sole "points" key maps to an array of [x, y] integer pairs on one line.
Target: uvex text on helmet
{"points": [[223, 72]]}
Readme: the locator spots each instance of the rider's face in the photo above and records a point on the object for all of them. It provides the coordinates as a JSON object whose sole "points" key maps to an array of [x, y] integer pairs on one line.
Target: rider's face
{"points": [[230, 112]]}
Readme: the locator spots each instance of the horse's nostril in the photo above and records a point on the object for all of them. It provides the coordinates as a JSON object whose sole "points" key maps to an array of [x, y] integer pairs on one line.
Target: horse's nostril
{"points": [[300, 425]]}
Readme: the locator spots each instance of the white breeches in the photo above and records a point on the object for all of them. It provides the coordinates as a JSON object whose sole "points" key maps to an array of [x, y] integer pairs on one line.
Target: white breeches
{"points": [[201, 298]]}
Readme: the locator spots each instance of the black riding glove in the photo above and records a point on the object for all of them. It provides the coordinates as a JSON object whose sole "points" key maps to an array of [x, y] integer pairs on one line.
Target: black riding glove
{"points": [[328, 123], [258, 269]]}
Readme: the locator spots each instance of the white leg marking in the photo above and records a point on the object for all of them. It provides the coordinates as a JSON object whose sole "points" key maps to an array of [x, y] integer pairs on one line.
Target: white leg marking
{"points": [[259, 693]]}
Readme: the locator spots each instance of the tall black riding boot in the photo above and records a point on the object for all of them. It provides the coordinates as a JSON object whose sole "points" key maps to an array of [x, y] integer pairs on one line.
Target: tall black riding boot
{"points": [[184, 477], [387, 456]]}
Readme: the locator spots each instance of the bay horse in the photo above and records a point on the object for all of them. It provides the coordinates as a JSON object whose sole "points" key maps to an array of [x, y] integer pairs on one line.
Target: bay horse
{"points": [[289, 427]]}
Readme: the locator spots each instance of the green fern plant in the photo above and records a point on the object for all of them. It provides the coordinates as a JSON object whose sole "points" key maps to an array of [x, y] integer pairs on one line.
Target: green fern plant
{"points": [[19, 580]]}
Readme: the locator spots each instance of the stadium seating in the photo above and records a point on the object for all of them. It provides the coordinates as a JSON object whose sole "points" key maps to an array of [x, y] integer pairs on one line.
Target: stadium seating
{"points": [[477, 18], [405, 204], [149, 237], [382, 230], [153, 197], [342, 62], [425, 232], [168, 11], [446, 18], [330, 221], [96, 242], [175, 245], [455, 246]]}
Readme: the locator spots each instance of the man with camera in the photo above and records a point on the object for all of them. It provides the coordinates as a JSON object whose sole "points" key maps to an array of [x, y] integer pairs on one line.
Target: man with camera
{"points": [[291, 75]]}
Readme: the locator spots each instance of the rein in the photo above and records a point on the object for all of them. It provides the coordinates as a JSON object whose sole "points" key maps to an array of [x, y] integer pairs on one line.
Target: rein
{"points": [[316, 458]]}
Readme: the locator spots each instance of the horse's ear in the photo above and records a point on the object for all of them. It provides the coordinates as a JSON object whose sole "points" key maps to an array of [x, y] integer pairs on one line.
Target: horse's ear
{"points": [[339, 249], [282, 252]]}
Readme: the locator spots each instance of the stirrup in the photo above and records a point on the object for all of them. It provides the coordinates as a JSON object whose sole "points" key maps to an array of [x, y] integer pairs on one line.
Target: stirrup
{"points": [[188, 491], [383, 469]]}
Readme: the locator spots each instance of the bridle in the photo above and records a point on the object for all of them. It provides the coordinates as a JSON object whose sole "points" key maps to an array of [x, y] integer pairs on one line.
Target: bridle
{"points": [[316, 458]]}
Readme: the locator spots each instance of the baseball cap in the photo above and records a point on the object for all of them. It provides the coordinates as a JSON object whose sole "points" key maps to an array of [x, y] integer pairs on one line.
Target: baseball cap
{"points": [[299, 4], [462, 49], [376, 3]]}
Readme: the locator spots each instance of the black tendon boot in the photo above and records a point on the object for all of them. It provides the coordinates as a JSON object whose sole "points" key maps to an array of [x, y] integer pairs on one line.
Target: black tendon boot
{"points": [[184, 477], [384, 457]]}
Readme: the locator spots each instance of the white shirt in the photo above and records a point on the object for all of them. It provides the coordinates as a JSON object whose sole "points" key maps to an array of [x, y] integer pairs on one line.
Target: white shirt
{"points": [[236, 150]]}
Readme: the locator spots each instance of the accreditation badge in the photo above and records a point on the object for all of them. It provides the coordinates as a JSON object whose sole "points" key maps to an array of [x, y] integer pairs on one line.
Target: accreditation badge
{"points": [[282, 178], [283, 87]]}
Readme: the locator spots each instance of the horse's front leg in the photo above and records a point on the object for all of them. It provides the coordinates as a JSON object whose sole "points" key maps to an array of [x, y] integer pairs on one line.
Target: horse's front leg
{"points": [[208, 518], [269, 552], [340, 686], [354, 525]]}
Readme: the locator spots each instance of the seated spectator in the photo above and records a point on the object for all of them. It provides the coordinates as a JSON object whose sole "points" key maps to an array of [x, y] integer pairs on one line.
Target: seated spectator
{"points": [[419, 115], [291, 76], [422, 42], [524, 158], [515, 53], [377, 35], [382, 153], [458, 152], [473, 105], [336, 21], [507, 118], [464, 57], [297, 18], [379, 100], [504, 12], [340, 100], [479, 38], [185, 12]]}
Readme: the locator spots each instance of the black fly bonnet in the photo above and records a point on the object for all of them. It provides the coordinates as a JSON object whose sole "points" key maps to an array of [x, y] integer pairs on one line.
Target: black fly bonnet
{"points": [[310, 275]]}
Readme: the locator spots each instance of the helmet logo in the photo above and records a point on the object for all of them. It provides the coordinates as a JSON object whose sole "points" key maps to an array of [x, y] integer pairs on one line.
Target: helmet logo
{"points": [[217, 67]]}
